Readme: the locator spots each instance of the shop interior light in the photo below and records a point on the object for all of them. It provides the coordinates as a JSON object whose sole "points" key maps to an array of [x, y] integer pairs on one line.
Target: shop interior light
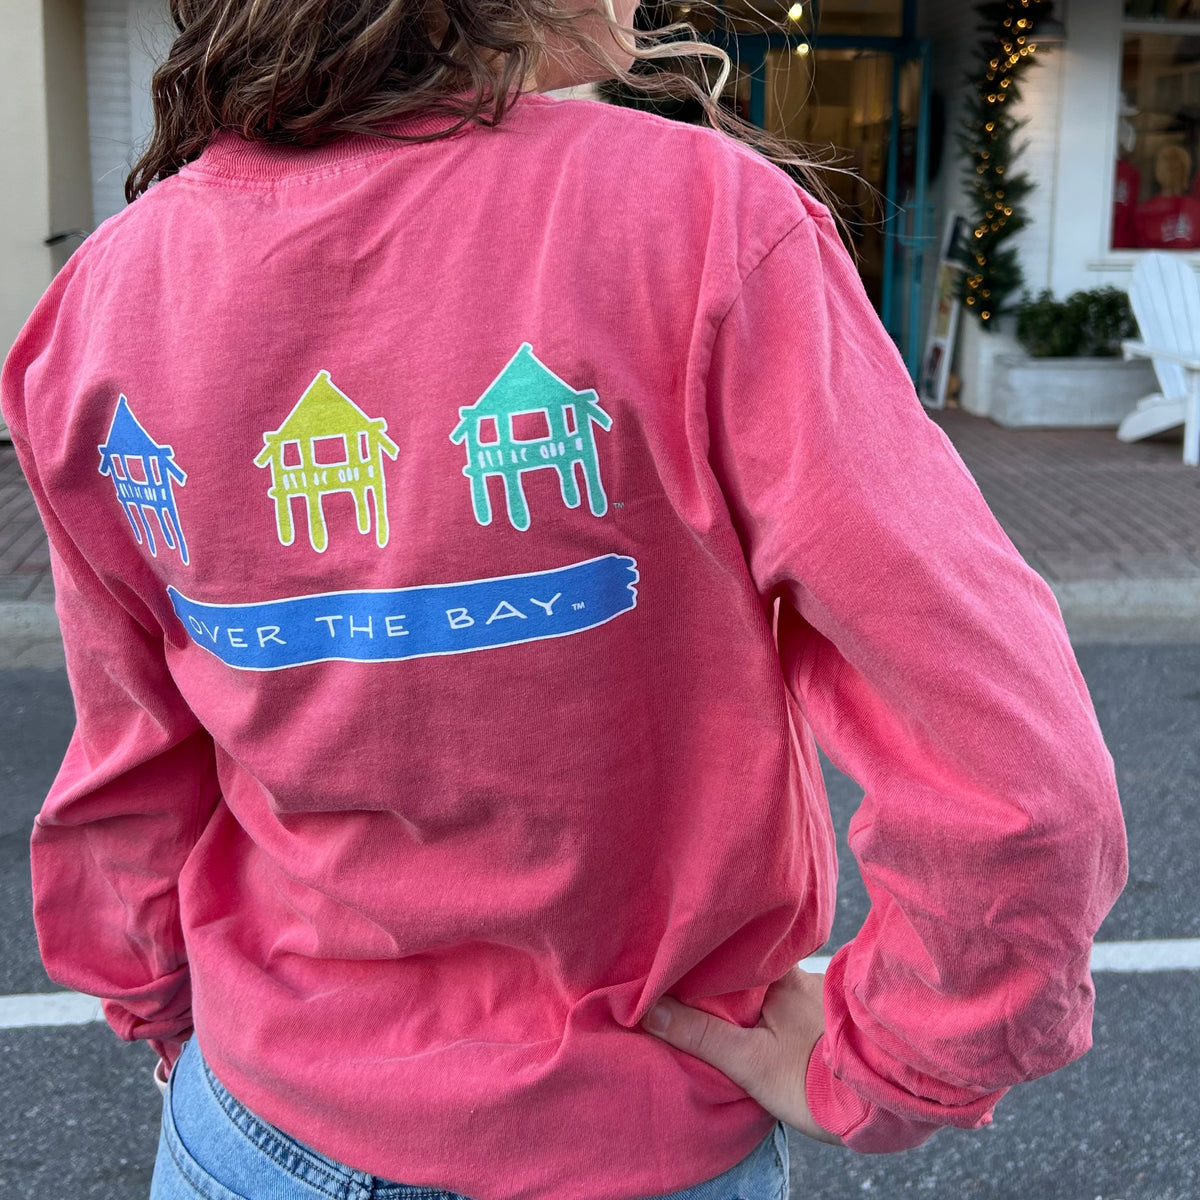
{"points": [[803, 50], [796, 12]]}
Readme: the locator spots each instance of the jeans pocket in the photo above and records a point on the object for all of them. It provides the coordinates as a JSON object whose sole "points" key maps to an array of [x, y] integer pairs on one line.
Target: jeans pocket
{"points": [[761, 1175], [784, 1160], [764, 1175], [177, 1174]]}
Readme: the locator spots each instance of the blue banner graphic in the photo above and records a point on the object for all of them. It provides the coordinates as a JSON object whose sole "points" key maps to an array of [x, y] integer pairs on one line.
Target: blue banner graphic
{"points": [[415, 622]]}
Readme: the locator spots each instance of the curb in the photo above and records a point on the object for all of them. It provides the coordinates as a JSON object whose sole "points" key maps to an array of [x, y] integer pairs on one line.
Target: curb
{"points": [[1155, 598], [1130, 610], [29, 636]]}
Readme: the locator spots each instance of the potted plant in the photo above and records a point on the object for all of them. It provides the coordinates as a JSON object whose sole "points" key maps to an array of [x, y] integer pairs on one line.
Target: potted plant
{"points": [[1070, 372]]}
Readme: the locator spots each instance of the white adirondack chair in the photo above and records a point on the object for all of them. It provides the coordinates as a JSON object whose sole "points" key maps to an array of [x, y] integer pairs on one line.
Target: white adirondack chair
{"points": [[1165, 297]]}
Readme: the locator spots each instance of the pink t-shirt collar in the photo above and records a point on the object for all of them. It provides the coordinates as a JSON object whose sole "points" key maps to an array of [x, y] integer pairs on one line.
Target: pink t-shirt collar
{"points": [[229, 154]]}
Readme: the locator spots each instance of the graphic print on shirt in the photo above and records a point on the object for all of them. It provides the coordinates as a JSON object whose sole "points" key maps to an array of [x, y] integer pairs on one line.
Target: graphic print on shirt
{"points": [[326, 445], [528, 388], [143, 473], [413, 622]]}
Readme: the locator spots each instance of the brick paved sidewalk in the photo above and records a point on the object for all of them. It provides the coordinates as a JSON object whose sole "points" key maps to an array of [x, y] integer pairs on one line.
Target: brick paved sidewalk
{"points": [[24, 555], [1082, 506], [1078, 504]]}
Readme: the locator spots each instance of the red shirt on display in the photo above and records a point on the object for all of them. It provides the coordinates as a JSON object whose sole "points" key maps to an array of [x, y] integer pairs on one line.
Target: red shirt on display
{"points": [[1168, 223], [420, 515], [1125, 198]]}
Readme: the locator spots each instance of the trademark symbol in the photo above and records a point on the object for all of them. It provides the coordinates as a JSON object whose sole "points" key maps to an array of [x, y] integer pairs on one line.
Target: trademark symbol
{"points": [[577, 607]]}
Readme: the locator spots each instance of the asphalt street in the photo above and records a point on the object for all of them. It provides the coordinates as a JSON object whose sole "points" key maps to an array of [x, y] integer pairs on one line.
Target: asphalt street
{"points": [[1123, 1123]]}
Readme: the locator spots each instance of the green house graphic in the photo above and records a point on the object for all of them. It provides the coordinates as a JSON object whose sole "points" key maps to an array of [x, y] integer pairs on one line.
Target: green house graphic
{"points": [[327, 444], [526, 388]]}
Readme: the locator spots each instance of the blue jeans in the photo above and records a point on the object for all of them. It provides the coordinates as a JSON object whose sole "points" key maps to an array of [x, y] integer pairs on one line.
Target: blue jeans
{"points": [[212, 1147]]}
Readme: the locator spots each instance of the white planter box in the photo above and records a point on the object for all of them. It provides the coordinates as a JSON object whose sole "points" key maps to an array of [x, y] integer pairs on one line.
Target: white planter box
{"points": [[1083, 392], [978, 349]]}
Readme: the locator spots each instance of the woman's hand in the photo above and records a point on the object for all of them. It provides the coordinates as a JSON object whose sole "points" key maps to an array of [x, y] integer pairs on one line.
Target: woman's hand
{"points": [[768, 1061]]}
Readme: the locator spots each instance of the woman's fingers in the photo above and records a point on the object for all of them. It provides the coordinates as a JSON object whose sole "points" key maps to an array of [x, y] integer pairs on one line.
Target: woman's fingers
{"points": [[770, 1061], [730, 1048]]}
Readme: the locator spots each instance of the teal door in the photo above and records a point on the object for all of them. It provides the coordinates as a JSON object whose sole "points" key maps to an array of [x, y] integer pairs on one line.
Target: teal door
{"points": [[869, 95]]}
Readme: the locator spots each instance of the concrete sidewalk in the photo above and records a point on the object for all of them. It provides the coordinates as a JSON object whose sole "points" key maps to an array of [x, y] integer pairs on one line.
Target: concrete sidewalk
{"points": [[1113, 528]]}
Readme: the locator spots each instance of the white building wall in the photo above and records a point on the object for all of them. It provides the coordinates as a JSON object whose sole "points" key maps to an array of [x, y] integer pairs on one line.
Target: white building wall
{"points": [[952, 26], [1068, 101], [125, 41], [107, 26], [1042, 107], [25, 168], [66, 126], [1091, 102], [1071, 100], [43, 152], [151, 33]]}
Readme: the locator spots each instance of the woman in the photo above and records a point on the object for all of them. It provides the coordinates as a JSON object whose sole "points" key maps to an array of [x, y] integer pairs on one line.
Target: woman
{"points": [[461, 530]]}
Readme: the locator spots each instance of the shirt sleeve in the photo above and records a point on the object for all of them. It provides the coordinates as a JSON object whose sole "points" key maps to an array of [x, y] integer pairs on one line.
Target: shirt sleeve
{"points": [[137, 784], [934, 668]]}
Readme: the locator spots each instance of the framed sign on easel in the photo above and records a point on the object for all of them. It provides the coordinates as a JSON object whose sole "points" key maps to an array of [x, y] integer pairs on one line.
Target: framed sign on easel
{"points": [[947, 312]]}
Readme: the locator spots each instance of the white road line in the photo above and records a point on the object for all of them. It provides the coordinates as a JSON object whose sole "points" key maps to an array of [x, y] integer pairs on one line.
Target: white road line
{"points": [[1182, 954], [74, 1008], [49, 1008]]}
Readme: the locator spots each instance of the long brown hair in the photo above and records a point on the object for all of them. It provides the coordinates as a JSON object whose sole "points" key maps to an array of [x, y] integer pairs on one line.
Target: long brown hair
{"points": [[305, 72]]}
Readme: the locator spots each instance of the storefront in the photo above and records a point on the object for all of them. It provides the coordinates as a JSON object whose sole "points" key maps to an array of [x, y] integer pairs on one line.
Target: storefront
{"points": [[1113, 136], [1118, 144], [1156, 189], [1112, 142]]}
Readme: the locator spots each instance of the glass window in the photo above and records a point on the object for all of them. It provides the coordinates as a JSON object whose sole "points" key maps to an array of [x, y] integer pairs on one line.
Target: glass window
{"points": [[1156, 196], [843, 99]]}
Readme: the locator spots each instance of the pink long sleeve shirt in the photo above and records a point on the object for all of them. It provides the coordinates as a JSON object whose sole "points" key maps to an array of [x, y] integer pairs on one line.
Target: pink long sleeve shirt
{"points": [[458, 547]]}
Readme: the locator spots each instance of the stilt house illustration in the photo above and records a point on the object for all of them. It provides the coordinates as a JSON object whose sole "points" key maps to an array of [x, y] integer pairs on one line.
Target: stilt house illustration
{"points": [[143, 473], [327, 444], [527, 387]]}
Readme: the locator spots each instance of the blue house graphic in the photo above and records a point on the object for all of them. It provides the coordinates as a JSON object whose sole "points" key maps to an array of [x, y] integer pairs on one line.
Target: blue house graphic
{"points": [[142, 472]]}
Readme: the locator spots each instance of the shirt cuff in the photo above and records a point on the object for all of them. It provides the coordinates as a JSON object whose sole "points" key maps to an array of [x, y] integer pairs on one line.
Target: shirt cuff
{"points": [[864, 1127], [168, 1052]]}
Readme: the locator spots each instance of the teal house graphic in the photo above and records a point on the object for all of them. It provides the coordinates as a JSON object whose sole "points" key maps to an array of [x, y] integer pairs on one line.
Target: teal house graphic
{"points": [[526, 388], [143, 473]]}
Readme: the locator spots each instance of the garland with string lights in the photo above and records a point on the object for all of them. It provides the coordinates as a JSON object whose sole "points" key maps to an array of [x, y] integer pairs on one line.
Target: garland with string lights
{"points": [[986, 133]]}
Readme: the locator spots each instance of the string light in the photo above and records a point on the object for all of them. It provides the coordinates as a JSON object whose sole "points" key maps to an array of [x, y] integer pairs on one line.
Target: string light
{"points": [[1011, 50]]}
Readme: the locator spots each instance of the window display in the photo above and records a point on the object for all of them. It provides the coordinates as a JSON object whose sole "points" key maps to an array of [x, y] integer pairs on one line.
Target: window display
{"points": [[1156, 187]]}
